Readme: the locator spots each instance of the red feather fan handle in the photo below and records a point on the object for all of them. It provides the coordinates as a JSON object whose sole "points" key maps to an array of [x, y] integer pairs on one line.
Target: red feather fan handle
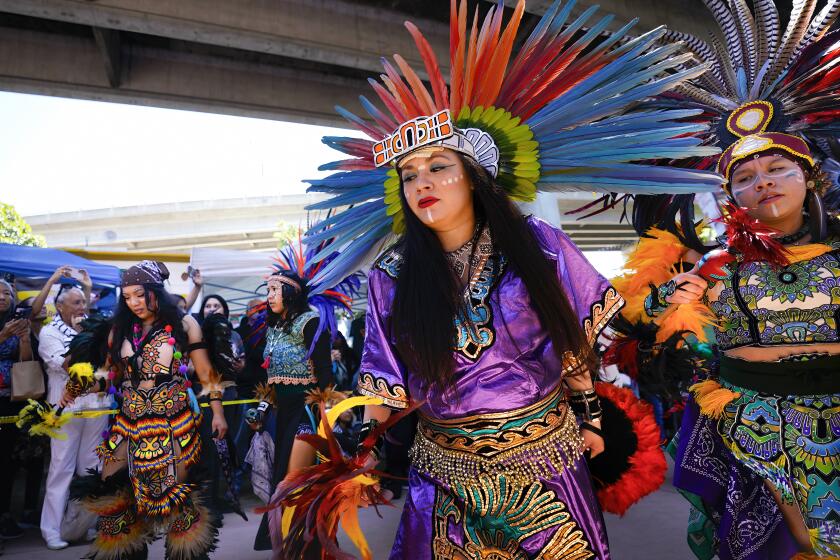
{"points": [[633, 463]]}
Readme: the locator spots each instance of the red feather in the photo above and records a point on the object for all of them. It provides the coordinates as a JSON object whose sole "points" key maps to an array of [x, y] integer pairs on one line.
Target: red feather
{"points": [[493, 78], [457, 47], [624, 353], [647, 465], [401, 91], [323, 493], [753, 239]]}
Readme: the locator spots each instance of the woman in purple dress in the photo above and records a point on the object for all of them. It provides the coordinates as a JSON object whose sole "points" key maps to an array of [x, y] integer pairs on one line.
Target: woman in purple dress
{"points": [[484, 316], [498, 459]]}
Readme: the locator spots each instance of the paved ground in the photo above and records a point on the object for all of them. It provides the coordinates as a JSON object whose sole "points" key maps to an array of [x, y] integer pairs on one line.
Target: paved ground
{"points": [[653, 529]]}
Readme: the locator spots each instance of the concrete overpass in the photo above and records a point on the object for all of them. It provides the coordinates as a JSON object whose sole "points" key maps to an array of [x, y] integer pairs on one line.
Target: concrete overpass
{"points": [[277, 59], [249, 224]]}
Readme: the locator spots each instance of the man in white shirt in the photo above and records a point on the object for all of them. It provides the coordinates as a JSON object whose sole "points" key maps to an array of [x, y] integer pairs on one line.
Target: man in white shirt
{"points": [[77, 452]]}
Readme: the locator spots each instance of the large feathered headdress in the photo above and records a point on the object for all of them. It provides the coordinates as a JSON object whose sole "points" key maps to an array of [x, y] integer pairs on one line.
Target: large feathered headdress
{"points": [[326, 298], [560, 113], [766, 86], [763, 79]]}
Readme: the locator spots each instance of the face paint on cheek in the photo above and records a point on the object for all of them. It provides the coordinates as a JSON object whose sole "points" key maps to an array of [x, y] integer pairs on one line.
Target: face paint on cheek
{"points": [[453, 180]]}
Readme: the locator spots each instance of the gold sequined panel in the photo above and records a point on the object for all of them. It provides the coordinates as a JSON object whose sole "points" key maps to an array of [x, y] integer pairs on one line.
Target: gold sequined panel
{"points": [[496, 516], [601, 313], [523, 444], [487, 435], [393, 395]]}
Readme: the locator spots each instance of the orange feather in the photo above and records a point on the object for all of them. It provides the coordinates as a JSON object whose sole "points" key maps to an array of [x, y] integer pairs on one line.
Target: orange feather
{"points": [[456, 54], [432, 66], [471, 54], [492, 80], [421, 94]]}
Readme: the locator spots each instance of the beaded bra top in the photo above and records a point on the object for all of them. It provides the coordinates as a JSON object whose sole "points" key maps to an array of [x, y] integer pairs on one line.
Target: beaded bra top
{"points": [[286, 352], [154, 356], [772, 306]]}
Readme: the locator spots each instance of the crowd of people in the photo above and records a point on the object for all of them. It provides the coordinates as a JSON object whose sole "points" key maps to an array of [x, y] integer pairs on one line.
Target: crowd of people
{"points": [[28, 332], [478, 370]]}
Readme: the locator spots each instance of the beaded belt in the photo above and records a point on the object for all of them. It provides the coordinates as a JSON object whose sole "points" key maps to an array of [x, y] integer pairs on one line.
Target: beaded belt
{"points": [[537, 441]]}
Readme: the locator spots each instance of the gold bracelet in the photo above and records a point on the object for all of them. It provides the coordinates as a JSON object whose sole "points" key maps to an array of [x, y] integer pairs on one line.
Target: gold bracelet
{"points": [[214, 396]]}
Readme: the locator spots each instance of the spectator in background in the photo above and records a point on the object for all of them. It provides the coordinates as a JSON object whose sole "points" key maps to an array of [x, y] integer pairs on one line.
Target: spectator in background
{"points": [[76, 453], [213, 303], [198, 282], [36, 322], [181, 302], [15, 346], [345, 363], [186, 303], [357, 334], [252, 332], [33, 450], [213, 457], [65, 272]]}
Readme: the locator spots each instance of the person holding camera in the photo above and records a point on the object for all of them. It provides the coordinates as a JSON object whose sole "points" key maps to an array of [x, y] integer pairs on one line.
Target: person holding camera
{"points": [[14, 346], [75, 454]]}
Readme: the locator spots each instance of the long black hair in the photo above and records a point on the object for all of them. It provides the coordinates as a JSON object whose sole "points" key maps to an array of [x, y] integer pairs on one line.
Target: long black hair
{"points": [[427, 293], [167, 313], [295, 302], [221, 300]]}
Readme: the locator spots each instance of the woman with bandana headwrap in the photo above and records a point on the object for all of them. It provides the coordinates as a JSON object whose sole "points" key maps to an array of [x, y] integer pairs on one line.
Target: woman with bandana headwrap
{"points": [[147, 485]]}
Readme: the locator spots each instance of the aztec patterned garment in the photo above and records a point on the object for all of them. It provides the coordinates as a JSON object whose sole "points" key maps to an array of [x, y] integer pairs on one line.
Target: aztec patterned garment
{"points": [[286, 356], [496, 471], [797, 304], [792, 440], [159, 425]]}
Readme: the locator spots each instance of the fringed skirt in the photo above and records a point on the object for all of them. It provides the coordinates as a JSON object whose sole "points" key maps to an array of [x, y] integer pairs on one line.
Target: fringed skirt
{"points": [[510, 485]]}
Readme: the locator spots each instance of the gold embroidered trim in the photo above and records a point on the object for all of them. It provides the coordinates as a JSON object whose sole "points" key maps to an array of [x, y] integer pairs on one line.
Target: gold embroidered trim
{"points": [[601, 313], [532, 442], [392, 395]]}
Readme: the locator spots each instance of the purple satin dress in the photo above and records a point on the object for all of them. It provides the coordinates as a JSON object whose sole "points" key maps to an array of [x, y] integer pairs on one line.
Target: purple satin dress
{"points": [[498, 467]]}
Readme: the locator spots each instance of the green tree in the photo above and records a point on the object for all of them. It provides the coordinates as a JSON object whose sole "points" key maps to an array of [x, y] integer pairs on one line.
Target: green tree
{"points": [[286, 233], [15, 230]]}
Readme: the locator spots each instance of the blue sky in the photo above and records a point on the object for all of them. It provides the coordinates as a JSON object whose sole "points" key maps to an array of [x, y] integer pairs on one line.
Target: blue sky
{"points": [[61, 154]]}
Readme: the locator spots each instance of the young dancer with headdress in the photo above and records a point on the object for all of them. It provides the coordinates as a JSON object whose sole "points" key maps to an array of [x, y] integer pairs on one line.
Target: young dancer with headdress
{"points": [[147, 484], [758, 452], [300, 323], [482, 317]]}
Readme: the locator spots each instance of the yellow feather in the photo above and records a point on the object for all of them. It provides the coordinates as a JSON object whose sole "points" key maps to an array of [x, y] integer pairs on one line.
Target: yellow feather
{"points": [[712, 398], [692, 317], [82, 373], [652, 261], [286, 520], [50, 425], [799, 253], [350, 523], [347, 404]]}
